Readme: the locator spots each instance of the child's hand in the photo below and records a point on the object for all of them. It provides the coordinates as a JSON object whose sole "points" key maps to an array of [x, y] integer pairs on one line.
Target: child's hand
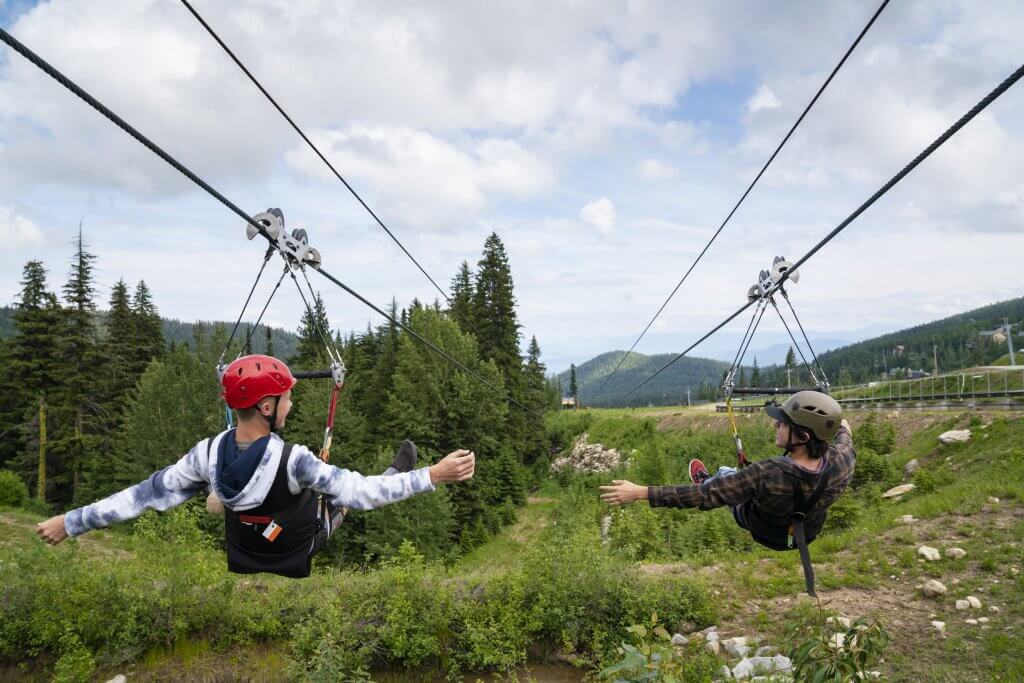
{"points": [[622, 492], [52, 530], [456, 466]]}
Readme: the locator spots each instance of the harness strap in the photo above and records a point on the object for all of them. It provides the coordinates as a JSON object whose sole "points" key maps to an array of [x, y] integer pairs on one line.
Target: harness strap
{"points": [[802, 508]]}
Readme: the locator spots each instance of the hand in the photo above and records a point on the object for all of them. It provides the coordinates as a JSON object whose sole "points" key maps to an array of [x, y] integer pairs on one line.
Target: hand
{"points": [[456, 466], [52, 530], [623, 492], [845, 425]]}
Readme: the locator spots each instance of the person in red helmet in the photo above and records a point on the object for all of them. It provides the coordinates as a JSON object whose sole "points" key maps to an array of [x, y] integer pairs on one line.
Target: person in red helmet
{"points": [[267, 487]]}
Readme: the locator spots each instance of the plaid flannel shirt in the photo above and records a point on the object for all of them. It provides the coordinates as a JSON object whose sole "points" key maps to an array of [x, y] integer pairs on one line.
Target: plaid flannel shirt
{"points": [[766, 482]]}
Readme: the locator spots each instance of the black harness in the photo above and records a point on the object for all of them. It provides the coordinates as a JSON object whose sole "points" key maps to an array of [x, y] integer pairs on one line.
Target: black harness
{"points": [[277, 535], [793, 532]]}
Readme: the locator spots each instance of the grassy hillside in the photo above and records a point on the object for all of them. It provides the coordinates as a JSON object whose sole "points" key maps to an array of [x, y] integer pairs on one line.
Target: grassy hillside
{"points": [[155, 602], [669, 388]]}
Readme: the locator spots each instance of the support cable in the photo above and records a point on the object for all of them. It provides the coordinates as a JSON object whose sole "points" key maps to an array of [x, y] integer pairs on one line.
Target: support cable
{"points": [[231, 337], [799, 349], [248, 336], [938, 142], [750, 187], [821, 371], [338, 175]]}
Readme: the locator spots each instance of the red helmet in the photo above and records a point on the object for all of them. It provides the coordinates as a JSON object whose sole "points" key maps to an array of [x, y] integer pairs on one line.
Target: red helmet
{"points": [[251, 378]]}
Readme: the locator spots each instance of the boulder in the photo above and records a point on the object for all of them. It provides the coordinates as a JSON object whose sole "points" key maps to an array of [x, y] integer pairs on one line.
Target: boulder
{"points": [[933, 588], [993, 609], [974, 602], [736, 647], [982, 620], [955, 436], [956, 553], [962, 605], [680, 639], [939, 626], [766, 651], [749, 667], [898, 491], [911, 467], [929, 553], [971, 622], [725, 673], [712, 636], [713, 646], [993, 500]]}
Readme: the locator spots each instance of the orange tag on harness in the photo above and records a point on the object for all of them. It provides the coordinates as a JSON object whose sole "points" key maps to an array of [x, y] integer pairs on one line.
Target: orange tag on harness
{"points": [[272, 531]]}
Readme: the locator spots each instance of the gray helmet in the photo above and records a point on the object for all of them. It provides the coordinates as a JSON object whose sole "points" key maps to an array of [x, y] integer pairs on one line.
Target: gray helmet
{"points": [[812, 410]]}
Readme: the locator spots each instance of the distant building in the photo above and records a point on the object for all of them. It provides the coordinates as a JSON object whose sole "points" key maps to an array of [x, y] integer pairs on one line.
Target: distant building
{"points": [[898, 351], [570, 403], [917, 374]]}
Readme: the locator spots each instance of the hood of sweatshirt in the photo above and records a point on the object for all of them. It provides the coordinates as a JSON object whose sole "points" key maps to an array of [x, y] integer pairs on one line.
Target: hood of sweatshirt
{"points": [[242, 479]]}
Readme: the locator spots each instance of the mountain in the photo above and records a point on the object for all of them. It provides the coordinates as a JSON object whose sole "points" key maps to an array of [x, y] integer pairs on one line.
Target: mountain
{"points": [[178, 332], [699, 375]]}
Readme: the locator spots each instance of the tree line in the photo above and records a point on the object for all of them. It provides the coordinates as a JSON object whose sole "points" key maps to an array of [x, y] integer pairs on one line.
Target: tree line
{"points": [[99, 400]]}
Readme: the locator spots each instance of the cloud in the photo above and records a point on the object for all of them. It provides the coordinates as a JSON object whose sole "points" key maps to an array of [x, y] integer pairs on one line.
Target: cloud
{"points": [[599, 214], [17, 231], [654, 169], [764, 98]]}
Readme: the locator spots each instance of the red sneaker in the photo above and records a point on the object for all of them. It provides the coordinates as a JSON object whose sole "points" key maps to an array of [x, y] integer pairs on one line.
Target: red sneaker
{"points": [[698, 472]]}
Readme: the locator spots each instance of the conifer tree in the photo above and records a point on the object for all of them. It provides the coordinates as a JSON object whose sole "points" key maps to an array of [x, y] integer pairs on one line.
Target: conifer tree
{"points": [[268, 341], [313, 326], [494, 308], [755, 374], [572, 381], [149, 334], [790, 358], [462, 299]]}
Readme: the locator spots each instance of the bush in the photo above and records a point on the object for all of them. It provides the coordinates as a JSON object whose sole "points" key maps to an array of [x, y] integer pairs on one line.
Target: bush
{"points": [[844, 513], [872, 468], [13, 491], [875, 433]]}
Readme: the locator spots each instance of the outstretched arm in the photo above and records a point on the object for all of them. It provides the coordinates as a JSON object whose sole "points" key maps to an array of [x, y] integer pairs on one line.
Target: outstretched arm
{"points": [[345, 488], [165, 489], [733, 489]]}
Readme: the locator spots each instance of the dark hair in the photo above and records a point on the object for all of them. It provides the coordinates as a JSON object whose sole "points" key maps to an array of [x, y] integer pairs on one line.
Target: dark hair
{"points": [[816, 448], [246, 414]]}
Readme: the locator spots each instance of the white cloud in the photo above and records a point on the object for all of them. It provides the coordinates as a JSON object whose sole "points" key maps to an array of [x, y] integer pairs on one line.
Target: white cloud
{"points": [[655, 169], [599, 214], [17, 231], [764, 98]]}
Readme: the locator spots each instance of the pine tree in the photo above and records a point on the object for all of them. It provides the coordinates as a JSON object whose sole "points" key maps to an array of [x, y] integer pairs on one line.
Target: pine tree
{"points": [[462, 299], [310, 351], [34, 366], [494, 309], [149, 334], [268, 342], [790, 358], [80, 358], [572, 381], [755, 375]]}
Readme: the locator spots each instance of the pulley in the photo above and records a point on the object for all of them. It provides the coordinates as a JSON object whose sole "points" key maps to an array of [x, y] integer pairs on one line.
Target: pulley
{"points": [[780, 266], [294, 246]]}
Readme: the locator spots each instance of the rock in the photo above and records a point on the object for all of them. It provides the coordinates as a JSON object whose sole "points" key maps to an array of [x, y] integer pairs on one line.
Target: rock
{"points": [[905, 519], [993, 500], [939, 626], [955, 436], [119, 678], [993, 609], [766, 651], [982, 620], [911, 467], [725, 673], [872, 675], [898, 491], [962, 605], [933, 588], [839, 622], [751, 666], [712, 636], [971, 622], [837, 641], [713, 646], [956, 553], [588, 457], [1014, 571], [679, 639], [974, 602], [929, 553], [736, 647]]}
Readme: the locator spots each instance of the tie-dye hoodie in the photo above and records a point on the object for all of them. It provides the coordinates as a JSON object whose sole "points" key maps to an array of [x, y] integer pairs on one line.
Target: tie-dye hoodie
{"points": [[176, 483]]}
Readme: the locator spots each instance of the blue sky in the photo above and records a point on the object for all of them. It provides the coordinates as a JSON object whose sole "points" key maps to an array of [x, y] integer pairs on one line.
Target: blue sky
{"points": [[604, 142]]}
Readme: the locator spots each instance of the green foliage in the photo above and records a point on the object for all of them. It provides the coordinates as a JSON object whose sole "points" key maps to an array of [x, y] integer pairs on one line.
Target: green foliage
{"points": [[844, 513], [831, 655], [13, 491], [652, 657], [872, 468], [876, 433]]}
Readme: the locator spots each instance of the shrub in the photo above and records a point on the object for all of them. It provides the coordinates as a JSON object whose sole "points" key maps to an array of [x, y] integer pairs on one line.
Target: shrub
{"points": [[840, 655], [872, 468], [652, 657], [844, 513], [876, 433], [13, 491]]}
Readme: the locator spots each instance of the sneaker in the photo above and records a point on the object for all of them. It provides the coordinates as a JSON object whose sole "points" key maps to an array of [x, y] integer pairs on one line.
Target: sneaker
{"points": [[405, 459], [698, 472]]}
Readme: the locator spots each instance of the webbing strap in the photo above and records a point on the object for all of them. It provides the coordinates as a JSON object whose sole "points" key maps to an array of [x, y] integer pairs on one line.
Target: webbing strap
{"points": [[802, 508], [805, 555]]}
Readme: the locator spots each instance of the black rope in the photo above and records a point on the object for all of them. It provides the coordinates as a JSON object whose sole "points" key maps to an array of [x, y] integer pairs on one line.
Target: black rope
{"points": [[325, 334], [248, 337], [231, 337], [743, 342], [939, 141], [795, 342], [751, 338], [750, 187], [338, 175], [814, 356], [153, 147]]}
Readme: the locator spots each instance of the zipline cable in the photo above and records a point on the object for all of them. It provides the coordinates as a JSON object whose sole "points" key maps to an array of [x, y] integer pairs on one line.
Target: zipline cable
{"points": [[785, 295], [248, 336], [53, 73], [231, 337], [750, 187], [338, 175], [799, 349], [938, 142]]}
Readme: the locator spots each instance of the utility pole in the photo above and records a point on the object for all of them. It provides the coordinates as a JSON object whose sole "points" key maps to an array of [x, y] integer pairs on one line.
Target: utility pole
{"points": [[688, 397], [789, 378], [935, 359], [1009, 340]]}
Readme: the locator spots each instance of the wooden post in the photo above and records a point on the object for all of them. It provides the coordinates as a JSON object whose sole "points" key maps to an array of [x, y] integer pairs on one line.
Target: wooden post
{"points": [[41, 490]]}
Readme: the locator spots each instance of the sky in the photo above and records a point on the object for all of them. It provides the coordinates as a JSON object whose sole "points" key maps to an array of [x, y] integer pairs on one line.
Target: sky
{"points": [[603, 141]]}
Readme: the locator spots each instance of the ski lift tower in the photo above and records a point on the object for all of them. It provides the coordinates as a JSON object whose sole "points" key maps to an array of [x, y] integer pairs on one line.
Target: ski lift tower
{"points": [[1006, 330]]}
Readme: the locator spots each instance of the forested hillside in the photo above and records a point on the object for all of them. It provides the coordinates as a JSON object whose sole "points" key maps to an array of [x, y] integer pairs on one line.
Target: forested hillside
{"points": [[701, 376], [97, 403]]}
